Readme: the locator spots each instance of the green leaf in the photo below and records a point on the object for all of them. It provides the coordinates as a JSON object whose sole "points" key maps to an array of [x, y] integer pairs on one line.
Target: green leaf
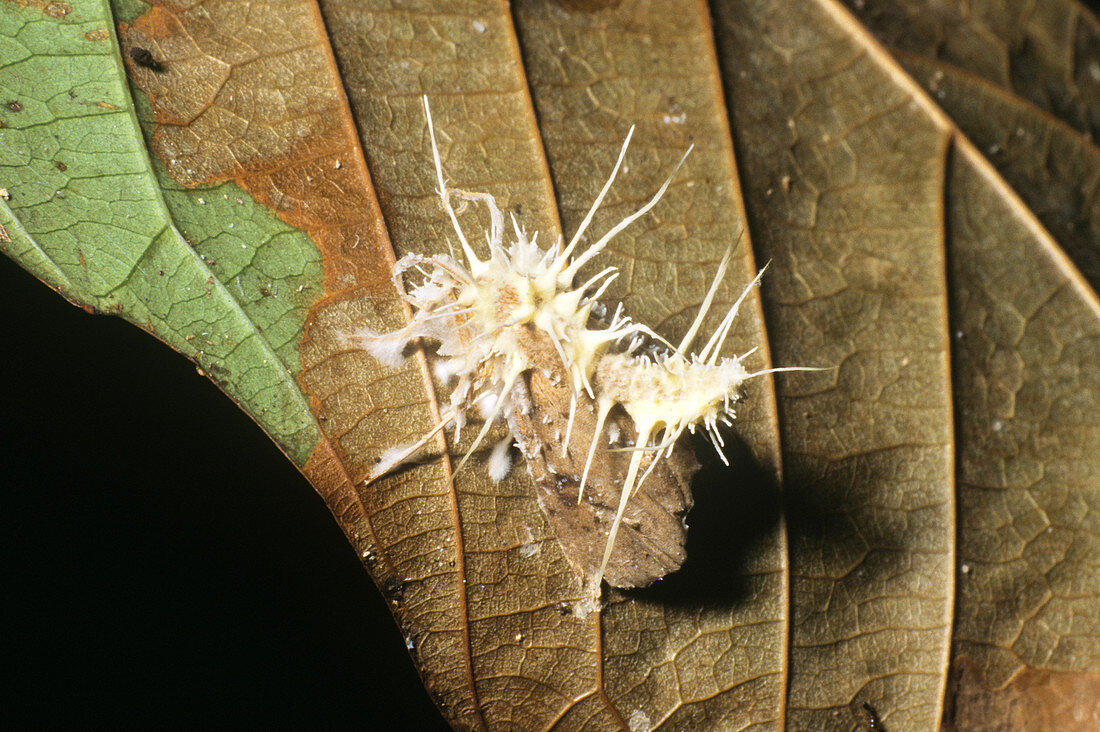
{"points": [[91, 214], [908, 536]]}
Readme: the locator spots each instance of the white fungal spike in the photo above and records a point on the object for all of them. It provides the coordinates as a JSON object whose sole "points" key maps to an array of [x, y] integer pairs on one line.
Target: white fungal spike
{"points": [[482, 314], [604, 406], [571, 271], [397, 455], [599, 198]]}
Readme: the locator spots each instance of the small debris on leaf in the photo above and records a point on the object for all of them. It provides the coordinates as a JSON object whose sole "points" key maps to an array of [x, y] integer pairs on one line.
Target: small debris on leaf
{"points": [[142, 57]]}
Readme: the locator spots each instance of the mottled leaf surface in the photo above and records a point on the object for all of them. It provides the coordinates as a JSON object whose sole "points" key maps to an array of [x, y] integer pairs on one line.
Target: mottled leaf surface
{"points": [[909, 535]]}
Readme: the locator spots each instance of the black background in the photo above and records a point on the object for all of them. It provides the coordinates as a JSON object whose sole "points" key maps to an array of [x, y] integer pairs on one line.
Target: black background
{"points": [[163, 562]]}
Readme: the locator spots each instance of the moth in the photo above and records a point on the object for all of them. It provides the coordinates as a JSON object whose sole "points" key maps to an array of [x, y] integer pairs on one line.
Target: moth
{"points": [[595, 402]]}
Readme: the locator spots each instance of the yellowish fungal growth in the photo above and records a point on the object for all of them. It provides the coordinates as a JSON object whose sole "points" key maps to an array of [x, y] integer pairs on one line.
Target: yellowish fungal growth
{"points": [[482, 313]]}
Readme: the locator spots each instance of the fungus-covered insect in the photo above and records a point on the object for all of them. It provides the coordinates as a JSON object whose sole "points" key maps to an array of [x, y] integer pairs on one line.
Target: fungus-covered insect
{"points": [[595, 402]]}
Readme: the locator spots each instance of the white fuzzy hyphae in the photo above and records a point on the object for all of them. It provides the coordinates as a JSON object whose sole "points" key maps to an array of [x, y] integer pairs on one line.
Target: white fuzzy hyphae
{"points": [[481, 313]]}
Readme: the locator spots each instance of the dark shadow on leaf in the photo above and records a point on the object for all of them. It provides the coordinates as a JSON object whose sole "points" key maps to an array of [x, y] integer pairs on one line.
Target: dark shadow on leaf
{"points": [[846, 535], [736, 507]]}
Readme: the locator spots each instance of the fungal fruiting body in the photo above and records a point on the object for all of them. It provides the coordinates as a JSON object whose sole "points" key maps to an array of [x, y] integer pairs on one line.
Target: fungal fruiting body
{"points": [[595, 401]]}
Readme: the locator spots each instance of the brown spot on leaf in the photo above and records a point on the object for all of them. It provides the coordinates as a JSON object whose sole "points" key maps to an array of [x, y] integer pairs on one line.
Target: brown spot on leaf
{"points": [[52, 8], [15, 106], [57, 9], [1034, 699], [213, 59], [99, 34], [61, 166]]}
